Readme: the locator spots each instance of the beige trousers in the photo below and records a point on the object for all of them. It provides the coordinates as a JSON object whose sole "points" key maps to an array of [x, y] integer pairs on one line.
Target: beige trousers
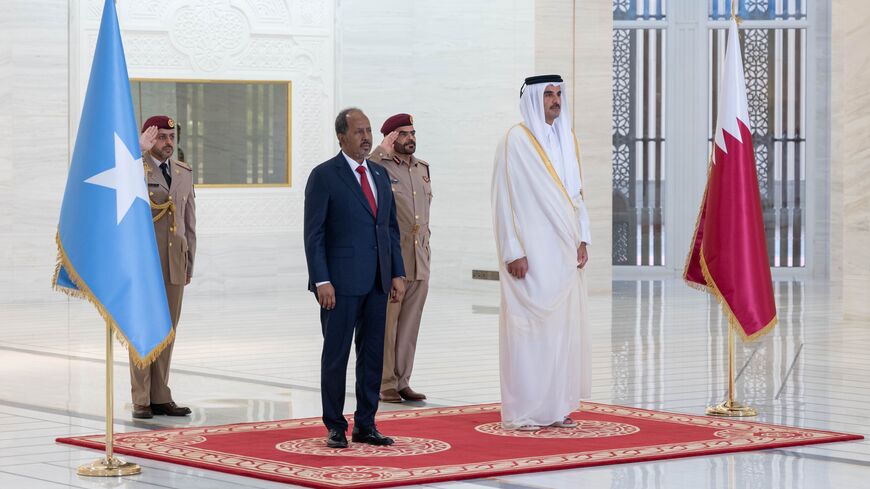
{"points": [[400, 335], [150, 385]]}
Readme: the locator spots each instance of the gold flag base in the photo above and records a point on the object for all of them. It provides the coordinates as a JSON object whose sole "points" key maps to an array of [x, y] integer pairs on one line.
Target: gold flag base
{"points": [[731, 409], [109, 467]]}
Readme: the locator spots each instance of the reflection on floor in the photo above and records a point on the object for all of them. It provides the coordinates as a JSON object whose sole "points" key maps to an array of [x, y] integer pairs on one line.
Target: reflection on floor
{"points": [[657, 344]]}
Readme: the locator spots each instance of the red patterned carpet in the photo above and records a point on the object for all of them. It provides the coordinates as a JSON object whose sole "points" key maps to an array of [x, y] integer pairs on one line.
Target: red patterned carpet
{"points": [[441, 444]]}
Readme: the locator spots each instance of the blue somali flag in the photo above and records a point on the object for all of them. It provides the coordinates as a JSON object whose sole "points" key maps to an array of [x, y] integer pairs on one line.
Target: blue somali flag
{"points": [[105, 238]]}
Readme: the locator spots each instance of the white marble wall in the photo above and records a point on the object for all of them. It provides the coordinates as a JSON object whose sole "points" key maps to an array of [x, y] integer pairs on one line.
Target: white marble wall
{"points": [[593, 122], [6, 157], [33, 144], [457, 67], [850, 165], [250, 239]]}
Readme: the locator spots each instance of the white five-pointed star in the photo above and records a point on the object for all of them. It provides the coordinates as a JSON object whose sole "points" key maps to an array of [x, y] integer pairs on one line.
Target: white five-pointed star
{"points": [[126, 178]]}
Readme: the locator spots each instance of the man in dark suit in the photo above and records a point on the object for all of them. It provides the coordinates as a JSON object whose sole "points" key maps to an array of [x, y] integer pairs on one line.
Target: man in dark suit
{"points": [[354, 261]]}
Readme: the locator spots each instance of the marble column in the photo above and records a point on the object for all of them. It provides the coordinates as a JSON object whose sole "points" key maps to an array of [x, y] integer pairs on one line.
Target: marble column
{"points": [[850, 158]]}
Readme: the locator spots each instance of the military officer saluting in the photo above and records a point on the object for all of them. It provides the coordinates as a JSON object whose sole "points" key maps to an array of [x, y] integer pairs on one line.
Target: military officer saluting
{"points": [[412, 191], [170, 188]]}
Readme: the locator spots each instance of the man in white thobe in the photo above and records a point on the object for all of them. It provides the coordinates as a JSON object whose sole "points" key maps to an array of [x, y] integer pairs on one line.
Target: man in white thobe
{"points": [[542, 230]]}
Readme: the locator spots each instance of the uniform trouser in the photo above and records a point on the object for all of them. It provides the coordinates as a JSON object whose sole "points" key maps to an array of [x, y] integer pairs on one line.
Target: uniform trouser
{"points": [[358, 319], [400, 335], [150, 385]]}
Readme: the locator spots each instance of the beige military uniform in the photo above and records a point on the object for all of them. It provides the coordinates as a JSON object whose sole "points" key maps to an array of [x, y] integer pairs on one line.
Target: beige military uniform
{"points": [[412, 191], [176, 243]]}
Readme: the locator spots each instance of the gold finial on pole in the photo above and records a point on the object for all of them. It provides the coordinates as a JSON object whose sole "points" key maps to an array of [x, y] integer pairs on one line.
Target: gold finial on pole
{"points": [[110, 466], [731, 408], [734, 9]]}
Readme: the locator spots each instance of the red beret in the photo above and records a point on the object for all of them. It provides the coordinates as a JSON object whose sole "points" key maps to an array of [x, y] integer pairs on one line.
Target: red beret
{"points": [[396, 122], [161, 121]]}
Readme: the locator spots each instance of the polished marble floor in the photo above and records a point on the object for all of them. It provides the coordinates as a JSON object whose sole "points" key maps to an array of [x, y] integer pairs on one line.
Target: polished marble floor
{"points": [[656, 344]]}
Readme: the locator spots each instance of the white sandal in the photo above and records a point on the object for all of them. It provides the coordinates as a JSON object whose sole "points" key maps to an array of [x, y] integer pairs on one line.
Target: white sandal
{"points": [[565, 423], [528, 427]]}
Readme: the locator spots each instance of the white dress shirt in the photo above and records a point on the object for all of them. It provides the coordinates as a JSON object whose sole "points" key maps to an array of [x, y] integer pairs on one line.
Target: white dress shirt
{"points": [[354, 165]]}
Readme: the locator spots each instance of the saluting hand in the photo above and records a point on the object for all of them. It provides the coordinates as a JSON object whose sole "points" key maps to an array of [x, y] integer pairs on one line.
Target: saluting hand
{"points": [[398, 291], [582, 256], [387, 144], [326, 296], [148, 139], [518, 268]]}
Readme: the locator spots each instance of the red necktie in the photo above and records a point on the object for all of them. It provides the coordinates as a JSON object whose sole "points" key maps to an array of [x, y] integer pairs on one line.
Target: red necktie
{"points": [[366, 189]]}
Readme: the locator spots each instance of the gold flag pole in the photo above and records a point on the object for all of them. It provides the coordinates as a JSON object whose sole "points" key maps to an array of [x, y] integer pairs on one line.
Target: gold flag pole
{"points": [[110, 466], [731, 408]]}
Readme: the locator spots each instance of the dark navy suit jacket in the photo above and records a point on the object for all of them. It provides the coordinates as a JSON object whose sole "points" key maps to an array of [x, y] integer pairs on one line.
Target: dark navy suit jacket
{"points": [[344, 243]]}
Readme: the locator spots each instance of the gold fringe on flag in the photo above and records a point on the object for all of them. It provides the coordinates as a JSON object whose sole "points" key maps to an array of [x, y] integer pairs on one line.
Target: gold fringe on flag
{"points": [[711, 286], [696, 285], [733, 322], [83, 292]]}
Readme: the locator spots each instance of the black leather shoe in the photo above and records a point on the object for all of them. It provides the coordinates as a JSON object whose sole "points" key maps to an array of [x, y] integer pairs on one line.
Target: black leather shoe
{"points": [[371, 436], [336, 439], [170, 409], [142, 412]]}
